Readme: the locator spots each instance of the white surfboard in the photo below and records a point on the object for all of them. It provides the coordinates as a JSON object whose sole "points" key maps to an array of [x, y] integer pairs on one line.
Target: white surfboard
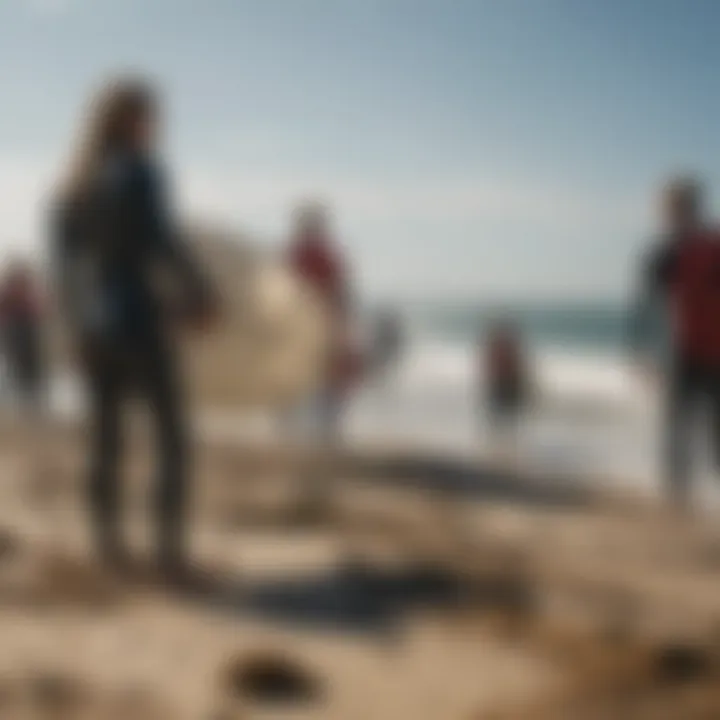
{"points": [[268, 345]]}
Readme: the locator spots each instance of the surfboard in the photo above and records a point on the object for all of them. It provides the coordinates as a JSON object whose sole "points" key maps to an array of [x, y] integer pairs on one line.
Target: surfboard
{"points": [[268, 346]]}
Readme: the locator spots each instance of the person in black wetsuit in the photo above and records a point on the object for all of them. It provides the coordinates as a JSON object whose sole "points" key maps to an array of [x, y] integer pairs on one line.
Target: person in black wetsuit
{"points": [[112, 237], [680, 284]]}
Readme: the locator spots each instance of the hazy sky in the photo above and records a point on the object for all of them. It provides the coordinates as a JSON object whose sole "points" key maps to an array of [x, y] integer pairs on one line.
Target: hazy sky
{"points": [[472, 148]]}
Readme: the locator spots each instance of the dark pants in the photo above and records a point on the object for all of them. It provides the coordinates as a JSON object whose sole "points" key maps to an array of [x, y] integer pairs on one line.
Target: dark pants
{"points": [[24, 360], [505, 403], [690, 385], [147, 371]]}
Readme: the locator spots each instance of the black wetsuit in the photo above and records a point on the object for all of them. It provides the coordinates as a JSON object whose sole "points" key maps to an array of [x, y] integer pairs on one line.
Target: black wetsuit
{"points": [[108, 247], [690, 379]]}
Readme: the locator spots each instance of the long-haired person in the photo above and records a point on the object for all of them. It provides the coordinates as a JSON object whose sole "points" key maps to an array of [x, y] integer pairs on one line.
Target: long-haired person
{"points": [[114, 237]]}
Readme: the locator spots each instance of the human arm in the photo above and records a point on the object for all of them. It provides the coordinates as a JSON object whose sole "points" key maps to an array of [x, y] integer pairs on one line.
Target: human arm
{"points": [[168, 252]]}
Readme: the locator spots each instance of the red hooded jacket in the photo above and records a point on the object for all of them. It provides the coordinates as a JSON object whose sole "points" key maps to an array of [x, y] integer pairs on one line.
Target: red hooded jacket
{"points": [[316, 259], [695, 296]]}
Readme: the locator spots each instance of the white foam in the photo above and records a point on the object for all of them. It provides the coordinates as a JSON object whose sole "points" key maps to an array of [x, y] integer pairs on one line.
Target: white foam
{"points": [[558, 372], [592, 416]]}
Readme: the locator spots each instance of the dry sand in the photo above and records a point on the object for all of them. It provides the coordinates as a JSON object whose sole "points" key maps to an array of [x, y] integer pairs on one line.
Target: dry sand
{"points": [[426, 590]]}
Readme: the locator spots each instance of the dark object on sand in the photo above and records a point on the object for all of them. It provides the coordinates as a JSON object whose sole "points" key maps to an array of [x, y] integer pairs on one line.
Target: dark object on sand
{"points": [[273, 679], [9, 545], [681, 663], [58, 694]]}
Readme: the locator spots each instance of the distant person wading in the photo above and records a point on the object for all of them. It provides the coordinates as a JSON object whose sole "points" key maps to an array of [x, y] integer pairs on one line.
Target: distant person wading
{"points": [[112, 234], [507, 381]]}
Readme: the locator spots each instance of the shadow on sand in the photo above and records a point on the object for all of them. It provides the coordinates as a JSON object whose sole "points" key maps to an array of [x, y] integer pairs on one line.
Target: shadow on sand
{"points": [[367, 599], [471, 481]]}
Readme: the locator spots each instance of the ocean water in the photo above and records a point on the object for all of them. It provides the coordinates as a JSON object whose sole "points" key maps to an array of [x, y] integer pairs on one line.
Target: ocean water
{"points": [[600, 327], [594, 417]]}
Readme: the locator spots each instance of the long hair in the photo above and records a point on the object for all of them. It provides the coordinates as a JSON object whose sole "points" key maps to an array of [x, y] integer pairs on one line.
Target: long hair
{"points": [[106, 129]]}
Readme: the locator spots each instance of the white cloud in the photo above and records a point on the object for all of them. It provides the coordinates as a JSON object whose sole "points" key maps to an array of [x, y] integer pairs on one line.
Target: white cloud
{"points": [[468, 198], [580, 224], [26, 182]]}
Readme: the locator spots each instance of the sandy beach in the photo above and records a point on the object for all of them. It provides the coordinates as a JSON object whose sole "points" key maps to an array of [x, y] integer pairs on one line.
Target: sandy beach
{"points": [[429, 589], [422, 298]]}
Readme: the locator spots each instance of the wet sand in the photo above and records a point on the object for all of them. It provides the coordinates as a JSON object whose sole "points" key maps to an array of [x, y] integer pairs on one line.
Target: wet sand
{"points": [[428, 588]]}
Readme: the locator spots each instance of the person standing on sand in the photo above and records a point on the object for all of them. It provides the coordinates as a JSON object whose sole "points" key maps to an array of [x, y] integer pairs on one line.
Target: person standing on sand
{"points": [[315, 257], [21, 328], [111, 233], [681, 275]]}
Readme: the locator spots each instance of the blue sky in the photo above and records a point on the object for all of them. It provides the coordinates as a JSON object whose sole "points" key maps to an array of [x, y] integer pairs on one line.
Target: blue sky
{"points": [[471, 148]]}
